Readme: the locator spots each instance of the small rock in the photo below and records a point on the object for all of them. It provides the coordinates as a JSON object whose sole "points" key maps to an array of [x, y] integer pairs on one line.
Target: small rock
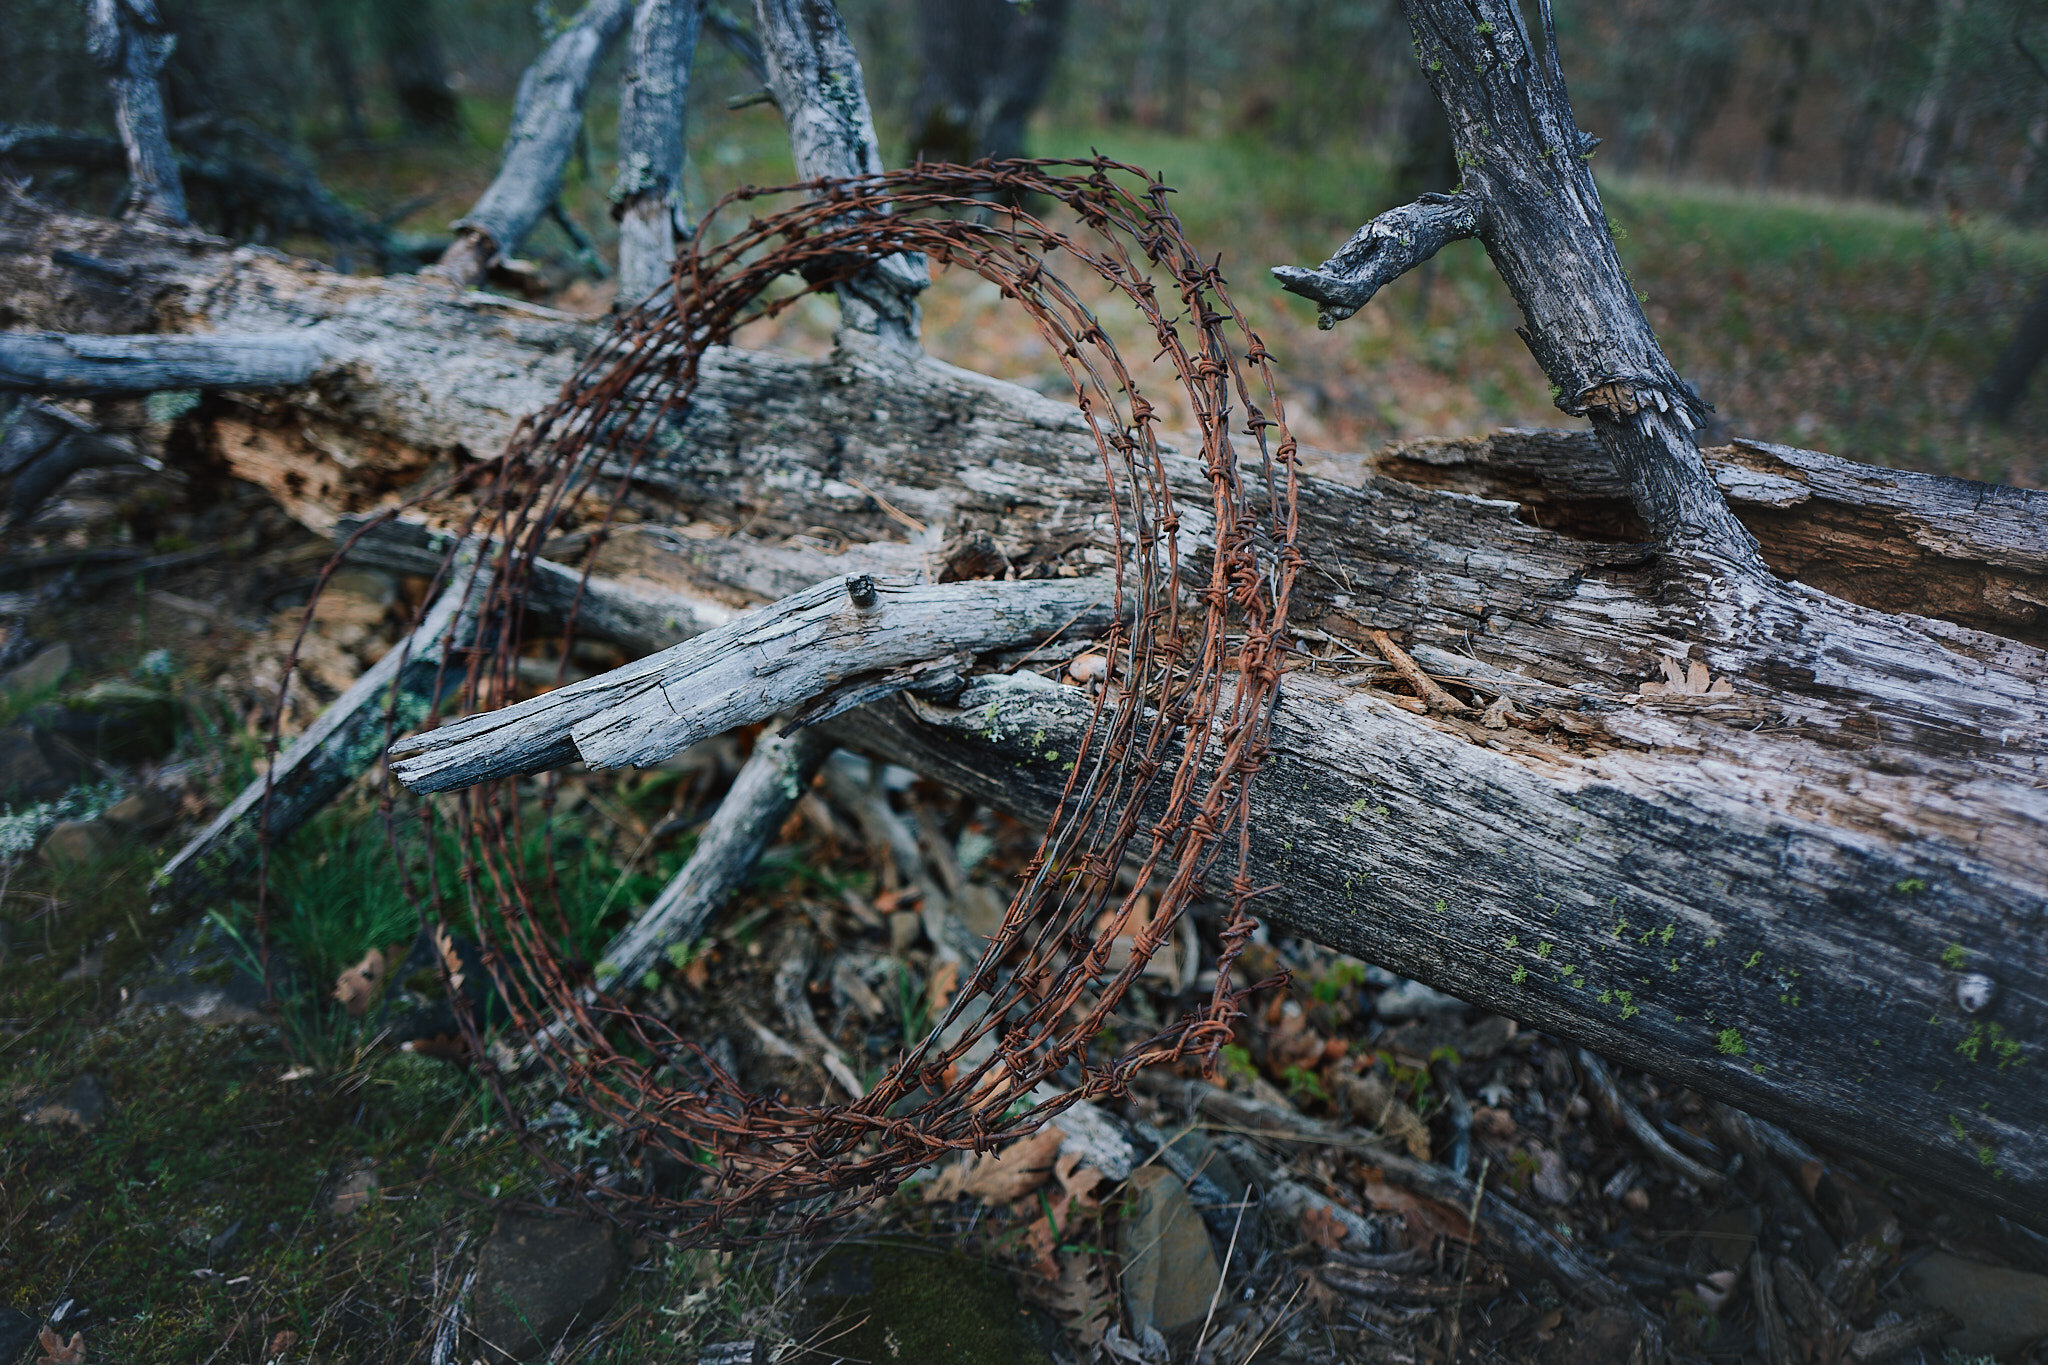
{"points": [[1413, 1000], [1170, 1272], [2002, 1310], [1551, 1181], [538, 1278], [355, 1191], [45, 670], [17, 1333], [33, 767], [82, 1105], [117, 721], [77, 841], [144, 810]]}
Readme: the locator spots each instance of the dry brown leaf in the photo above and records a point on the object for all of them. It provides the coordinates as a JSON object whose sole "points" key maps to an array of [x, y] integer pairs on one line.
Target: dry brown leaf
{"points": [[1077, 1182], [1001, 1177], [1422, 1220], [1686, 680], [1080, 1298], [280, 1343], [945, 980], [357, 987], [57, 1351], [1322, 1227]]}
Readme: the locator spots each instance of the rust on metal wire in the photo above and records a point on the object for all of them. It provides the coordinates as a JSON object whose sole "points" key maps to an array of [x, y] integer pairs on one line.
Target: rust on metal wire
{"points": [[1160, 788]]}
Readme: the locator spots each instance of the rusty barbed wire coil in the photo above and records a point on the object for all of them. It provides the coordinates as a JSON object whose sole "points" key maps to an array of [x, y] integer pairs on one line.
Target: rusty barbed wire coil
{"points": [[1160, 785]]}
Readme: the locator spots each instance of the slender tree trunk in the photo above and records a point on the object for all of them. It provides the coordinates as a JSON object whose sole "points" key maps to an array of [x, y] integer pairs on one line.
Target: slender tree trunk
{"points": [[408, 36], [1795, 35], [1919, 152], [337, 54], [2003, 388], [985, 66], [128, 41], [647, 198]]}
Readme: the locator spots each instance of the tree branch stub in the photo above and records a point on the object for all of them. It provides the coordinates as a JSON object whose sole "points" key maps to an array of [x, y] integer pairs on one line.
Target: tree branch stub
{"points": [[129, 41], [815, 77], [654, 96], [546, 115], [1529, 196]]}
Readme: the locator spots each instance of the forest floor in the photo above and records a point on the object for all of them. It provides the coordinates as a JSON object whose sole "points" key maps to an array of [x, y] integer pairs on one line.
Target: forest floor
{"points": [[193, 1168]]}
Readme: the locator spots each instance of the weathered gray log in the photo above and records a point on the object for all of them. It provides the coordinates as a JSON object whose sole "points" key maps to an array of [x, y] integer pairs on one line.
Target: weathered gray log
{"points": [[1867, 807], [854, 635], [815, 76], [73, 364], [770, 783], [547, 113], [654, 97], [127, 39], [343, 744], [1529, 196]]}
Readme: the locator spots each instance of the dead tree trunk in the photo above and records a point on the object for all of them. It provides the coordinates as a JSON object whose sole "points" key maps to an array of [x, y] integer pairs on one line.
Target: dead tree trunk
{"points": [[648, 197], [1709, 820], [128, 41]]}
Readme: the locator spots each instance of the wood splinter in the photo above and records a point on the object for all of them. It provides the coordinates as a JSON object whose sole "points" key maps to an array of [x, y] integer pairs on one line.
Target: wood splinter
{"points": [[1411, 673]]}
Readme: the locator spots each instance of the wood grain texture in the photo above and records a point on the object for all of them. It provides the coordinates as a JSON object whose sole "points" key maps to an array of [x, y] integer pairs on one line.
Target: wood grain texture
{"points": [[810, 644], [815, 77], [73, 364], [129, 41]]}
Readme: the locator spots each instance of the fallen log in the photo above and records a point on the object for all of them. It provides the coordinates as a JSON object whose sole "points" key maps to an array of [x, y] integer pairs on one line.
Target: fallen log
{"points": [[1784, 846], [1864, 810]]}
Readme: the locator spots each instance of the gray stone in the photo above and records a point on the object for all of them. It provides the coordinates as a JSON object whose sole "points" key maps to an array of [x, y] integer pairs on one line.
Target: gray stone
{"points": [[29, 770], [81, 1105], [1413, 1000], [45, 670], [1170, 1272], [2001, 1310], [357, 1190], [537, 1279], [77, 841]]}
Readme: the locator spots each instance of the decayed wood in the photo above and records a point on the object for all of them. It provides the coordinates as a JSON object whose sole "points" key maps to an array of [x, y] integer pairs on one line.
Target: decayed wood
{"points": [[854, 634], [1866, 809], [1886, 538], [343, 744], [654, 96], [1529, 196], [546, 116], [815, 77], [128, 40], [59, 363], [771, 781]]}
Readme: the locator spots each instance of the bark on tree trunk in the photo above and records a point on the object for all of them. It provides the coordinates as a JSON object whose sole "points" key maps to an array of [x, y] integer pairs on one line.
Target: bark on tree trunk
{"points": [[654, 98], [127, 40]]}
